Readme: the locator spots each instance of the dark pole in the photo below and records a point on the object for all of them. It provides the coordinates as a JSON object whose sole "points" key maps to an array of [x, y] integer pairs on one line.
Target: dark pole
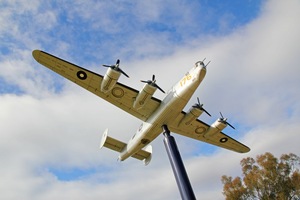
{"points": [[182, 179]]}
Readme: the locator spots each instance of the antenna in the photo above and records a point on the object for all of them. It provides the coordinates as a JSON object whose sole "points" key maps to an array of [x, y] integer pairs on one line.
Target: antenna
{"points": [[207, 63]]}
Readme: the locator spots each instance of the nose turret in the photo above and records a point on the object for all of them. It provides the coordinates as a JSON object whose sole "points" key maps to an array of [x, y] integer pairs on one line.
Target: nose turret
{"points": [[201, 64], [200, 69]]}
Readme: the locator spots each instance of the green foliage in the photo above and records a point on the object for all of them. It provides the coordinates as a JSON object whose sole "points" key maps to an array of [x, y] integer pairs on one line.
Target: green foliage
{"points": [[265, 178]]}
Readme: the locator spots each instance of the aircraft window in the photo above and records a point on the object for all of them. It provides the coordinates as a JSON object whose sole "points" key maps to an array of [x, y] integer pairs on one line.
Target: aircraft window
{"points": [[133, 136]]}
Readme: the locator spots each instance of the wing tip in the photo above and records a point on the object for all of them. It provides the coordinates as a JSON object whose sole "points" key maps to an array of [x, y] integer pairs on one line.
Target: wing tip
{"points": [[245, 150], [36, 53]]}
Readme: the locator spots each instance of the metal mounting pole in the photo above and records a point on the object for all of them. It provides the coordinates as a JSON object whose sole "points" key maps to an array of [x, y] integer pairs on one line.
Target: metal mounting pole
{"points": [[182, 179]]}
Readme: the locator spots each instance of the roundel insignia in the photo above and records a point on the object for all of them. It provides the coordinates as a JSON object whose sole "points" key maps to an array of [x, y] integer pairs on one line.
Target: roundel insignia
{"points": [[81, 75], [117, 92], [223, 140], [200, 130]]}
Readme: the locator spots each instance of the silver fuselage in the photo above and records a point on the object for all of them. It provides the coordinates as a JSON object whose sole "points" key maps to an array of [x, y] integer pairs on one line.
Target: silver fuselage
{"points": [[169, 109]]}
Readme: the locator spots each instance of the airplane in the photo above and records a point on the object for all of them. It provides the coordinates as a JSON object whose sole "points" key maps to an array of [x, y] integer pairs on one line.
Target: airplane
{"points": [[154, 113]]}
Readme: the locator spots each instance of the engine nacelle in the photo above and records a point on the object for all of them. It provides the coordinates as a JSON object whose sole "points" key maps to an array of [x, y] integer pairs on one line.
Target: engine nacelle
{"points": [[190, 116], [144, 95], [110, 79], [216, 127]]}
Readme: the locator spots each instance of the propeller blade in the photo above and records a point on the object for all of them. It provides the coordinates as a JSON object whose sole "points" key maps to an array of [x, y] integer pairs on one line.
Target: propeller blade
{"points": [[224, 120], [206, 112], [200, 106], [149, 82], [230, 125], [117, 68], [221, 116], [152, 82], [198, 101], [108, 65], [159, 88]]}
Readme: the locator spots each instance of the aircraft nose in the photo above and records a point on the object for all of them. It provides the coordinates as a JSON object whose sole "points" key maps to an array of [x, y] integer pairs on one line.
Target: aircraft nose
{"points": [[201, 64]]}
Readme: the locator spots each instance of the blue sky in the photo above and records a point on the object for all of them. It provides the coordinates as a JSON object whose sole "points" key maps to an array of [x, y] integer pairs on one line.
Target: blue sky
{"points": [[50, 128], [104, 31], [89, 28]]}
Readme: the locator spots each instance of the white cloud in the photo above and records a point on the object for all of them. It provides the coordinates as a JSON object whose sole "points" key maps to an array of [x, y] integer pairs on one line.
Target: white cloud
{"points": [[253, 78]]}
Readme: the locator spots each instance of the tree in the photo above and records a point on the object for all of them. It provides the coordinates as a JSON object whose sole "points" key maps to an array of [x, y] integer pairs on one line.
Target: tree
{"points": [[265, 178]]}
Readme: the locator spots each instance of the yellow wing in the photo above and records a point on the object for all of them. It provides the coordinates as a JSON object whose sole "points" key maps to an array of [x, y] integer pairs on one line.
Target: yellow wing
{"points": [[197, 129], [121, 95]]}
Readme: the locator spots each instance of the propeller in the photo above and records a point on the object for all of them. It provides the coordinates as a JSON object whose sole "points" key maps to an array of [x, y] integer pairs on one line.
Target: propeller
{"points": [[152, 82], [200, 106], [117, 68], [224, 120]]}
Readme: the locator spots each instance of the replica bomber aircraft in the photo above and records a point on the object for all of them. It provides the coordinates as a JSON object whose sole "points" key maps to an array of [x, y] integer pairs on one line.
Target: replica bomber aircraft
{"points": [[153, 112]]}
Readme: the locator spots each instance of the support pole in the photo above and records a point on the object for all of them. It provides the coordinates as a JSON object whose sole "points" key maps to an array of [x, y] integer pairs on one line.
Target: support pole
{"points": [[182, 179]]}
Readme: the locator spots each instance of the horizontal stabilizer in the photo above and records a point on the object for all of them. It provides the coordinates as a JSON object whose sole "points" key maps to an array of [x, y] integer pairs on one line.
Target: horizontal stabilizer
{"points": [[116, 145], [111, 143], [144, 154]]}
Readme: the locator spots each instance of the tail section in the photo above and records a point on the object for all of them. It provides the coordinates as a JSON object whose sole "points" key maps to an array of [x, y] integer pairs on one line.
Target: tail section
{"points": [[111, 143], [144, 154]]}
